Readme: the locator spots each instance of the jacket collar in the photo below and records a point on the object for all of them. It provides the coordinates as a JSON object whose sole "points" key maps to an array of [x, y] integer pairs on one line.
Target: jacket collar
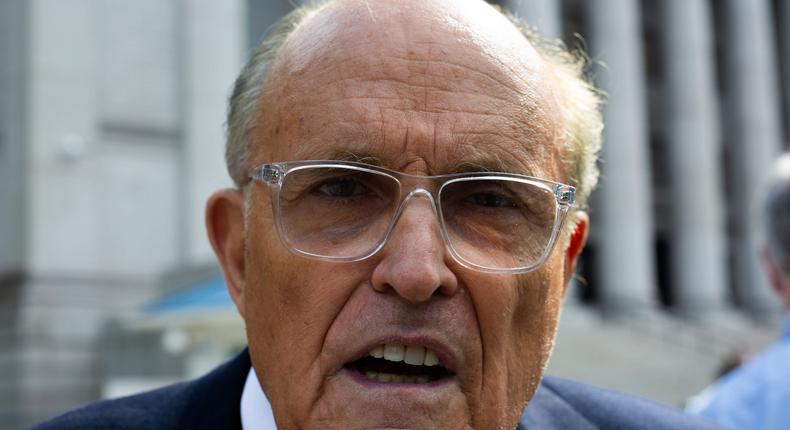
{"points": [[546, 410], [215, 398]]}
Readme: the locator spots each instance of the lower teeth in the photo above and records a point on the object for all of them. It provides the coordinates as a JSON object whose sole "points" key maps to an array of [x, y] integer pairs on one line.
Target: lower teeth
{"points": [[389, 377]]}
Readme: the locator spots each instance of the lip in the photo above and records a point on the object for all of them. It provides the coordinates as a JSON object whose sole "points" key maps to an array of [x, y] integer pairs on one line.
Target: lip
{"points": [[446, 357]]}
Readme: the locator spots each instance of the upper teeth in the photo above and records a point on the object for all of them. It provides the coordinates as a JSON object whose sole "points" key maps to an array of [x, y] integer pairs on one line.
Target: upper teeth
{"points": [[414, 355]]}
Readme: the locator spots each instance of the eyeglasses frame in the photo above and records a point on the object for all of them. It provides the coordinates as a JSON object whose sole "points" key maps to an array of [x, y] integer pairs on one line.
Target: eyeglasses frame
{"points": [[273, 174]]}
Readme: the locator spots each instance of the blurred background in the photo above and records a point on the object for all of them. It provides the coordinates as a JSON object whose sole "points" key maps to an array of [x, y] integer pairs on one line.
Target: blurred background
{"points": [[111, 139]]}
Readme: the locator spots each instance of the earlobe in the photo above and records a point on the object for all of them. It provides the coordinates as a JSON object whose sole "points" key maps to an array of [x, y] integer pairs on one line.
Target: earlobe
{"points": [[225, 228], [576, 243]]}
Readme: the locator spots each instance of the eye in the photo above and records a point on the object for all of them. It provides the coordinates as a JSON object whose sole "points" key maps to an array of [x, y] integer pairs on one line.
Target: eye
{"points": [[342, 188], [491, 200]]}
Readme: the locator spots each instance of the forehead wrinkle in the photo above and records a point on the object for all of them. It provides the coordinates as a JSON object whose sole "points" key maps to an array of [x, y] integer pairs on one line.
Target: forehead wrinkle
{"points": [[368, 107], [438, 75], [368, 127], [441, 69], [437, 88], [477, 155], [371, 125], [405, 94], [367, 76], [440, 101]]}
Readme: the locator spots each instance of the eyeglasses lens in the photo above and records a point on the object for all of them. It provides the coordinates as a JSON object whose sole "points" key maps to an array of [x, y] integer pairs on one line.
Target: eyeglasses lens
{"points": [[498, 223], [336, 212]]}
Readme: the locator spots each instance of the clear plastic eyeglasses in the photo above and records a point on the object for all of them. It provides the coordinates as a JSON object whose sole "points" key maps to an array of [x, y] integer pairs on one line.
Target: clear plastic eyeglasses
{"points": [[345, 211]]}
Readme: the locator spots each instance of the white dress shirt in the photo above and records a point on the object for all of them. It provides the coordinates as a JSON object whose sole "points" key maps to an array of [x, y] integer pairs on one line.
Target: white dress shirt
{"points": [[256, 412]]}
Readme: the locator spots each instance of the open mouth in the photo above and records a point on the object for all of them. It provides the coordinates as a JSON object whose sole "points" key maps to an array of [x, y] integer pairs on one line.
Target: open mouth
{"points": [[404, 364]]}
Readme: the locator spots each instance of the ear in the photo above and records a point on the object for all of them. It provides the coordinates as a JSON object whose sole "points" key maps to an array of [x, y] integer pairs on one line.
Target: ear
{"points": [[771, 270], [225, 227], [576, 243]]}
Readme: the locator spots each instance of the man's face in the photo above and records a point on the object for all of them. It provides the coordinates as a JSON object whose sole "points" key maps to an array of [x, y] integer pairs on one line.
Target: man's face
{"points": [[427, 89]]}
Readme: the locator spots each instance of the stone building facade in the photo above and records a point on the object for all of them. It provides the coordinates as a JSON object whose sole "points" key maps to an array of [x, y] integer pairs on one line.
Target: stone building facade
{"points": [[111, 138]]}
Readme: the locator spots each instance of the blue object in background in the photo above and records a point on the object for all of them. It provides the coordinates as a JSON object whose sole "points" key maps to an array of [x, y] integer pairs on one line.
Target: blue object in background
{"points": [[756, 395], [208, 294]]}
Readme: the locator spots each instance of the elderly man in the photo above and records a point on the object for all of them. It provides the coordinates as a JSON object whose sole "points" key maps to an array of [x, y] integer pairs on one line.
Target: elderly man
{"points": [[408, 215], [757, 394]]}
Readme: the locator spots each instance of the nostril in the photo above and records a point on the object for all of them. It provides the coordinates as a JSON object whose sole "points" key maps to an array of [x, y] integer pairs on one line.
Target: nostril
{"points": [[414, 279], [413, 262]]}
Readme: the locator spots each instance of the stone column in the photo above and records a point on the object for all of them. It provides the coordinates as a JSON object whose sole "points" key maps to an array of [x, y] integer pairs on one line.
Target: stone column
{"points": [[12, 147], [54, 356], [544, 15], [214, 48], [13, 222], [697, 243], [753, 133], [622, 218]]}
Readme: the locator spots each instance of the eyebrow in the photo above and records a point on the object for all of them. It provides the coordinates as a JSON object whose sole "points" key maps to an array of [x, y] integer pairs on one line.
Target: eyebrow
{"points": [[357, 157], [470, 163], [491, 163], [482, 155]]}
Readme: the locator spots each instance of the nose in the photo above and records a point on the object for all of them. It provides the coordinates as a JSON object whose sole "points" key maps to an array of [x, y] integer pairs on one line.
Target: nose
{"points": [[414, 262]]}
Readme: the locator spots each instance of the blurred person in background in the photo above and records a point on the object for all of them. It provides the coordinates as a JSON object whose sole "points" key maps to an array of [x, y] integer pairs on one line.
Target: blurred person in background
{"points": [[756, 394], [411, 178]]}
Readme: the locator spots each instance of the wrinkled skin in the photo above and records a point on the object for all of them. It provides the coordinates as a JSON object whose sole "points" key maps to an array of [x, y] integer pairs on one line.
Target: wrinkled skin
{"points": [[426, 88]]}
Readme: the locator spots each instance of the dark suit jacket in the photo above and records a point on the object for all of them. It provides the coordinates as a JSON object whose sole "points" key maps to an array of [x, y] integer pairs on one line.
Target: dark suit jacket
{"points": [[212, 402]]}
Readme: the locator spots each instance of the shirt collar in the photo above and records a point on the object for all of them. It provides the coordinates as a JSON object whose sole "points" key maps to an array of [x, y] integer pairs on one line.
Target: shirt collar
{"points": [[256, 412], [786, 327]]}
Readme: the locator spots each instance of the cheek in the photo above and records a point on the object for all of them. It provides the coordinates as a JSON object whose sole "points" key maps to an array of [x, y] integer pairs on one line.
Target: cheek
{"points": [[537, 310], [285, 294], [289, 309], [517, 314], [534, 322], [289, 302], [518, 318]]}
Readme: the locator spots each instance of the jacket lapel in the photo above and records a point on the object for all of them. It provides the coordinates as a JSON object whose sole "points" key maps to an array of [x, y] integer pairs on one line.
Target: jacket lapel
{"points": [[215, 399]]}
